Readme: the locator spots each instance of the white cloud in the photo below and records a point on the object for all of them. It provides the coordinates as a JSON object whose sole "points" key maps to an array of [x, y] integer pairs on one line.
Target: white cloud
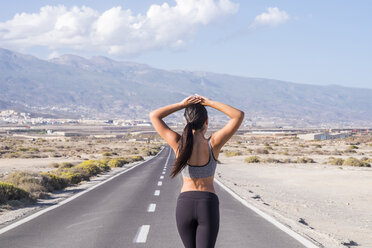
{"points": [[115, 31], [273, 17]]}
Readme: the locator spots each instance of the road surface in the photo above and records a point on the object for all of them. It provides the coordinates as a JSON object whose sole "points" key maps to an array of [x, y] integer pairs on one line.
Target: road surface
{"points": [[137, 209]]}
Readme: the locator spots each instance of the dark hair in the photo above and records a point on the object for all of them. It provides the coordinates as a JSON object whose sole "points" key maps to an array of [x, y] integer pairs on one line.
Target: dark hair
{"points": [[195, 115]]}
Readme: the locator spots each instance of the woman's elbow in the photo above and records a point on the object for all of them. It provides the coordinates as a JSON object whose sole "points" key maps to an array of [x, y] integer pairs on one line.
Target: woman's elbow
{"points": [[153, 115], [241, 115]]}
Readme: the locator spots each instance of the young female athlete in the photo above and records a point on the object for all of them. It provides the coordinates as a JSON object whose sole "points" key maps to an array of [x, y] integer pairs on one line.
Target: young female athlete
{"points": [[197, 211]]}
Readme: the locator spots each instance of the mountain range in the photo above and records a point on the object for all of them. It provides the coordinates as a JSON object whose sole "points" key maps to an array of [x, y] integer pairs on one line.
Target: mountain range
{"points": [[100, 87]]}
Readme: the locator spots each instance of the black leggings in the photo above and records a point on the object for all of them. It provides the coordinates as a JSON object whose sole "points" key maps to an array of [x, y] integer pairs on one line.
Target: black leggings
{"points": [[198, 218]]}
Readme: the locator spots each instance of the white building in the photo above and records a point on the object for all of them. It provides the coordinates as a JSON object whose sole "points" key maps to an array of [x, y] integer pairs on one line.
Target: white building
{"points": [[323, 136]]}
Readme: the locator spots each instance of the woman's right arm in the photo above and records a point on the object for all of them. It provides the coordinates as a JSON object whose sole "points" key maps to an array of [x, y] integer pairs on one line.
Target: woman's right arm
{"points": [[220, 137]]}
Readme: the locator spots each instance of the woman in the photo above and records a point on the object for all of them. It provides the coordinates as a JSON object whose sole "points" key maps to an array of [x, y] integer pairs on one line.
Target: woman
{"points": [[197, 211]]}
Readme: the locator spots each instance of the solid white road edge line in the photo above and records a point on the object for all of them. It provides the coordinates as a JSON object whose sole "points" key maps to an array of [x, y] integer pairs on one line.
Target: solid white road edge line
{"points": [[43, 211], [151, 207], [141, 235], [307, 243]]}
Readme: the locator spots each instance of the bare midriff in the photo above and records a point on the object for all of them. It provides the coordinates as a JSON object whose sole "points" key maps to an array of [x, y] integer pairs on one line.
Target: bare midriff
{"points": [[198, 184]]}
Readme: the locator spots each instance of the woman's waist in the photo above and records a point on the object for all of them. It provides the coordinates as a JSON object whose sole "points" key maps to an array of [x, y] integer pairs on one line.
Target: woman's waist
{"points": [[198, 195], [198, 186]]}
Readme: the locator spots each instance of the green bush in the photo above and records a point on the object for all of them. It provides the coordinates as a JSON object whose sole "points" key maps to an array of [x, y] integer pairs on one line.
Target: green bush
{"points": [[228, 153], [335, 161], [73, 177], [9, 192], [91, 167], [66, 165], [30, 181], [352, 147], [252, 159], [53, 182], [272, 160], [352, 162], [135, 158], [365, 159], [103, 164], [305, 160]]}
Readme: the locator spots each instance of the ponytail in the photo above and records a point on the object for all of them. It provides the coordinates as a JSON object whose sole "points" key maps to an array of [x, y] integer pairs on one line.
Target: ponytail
{"points": [[184, 149], [195, 115]]}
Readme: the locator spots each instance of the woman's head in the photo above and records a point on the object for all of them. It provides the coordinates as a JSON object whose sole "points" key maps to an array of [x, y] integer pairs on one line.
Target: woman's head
{"points": [[196, 116]]}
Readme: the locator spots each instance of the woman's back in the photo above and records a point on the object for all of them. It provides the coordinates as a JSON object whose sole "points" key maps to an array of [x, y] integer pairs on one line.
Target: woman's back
{"points": [[198, 174]]}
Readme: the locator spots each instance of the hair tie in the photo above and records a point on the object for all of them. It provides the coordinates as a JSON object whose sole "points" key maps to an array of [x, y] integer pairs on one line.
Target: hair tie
{"points": [[191, 124]]}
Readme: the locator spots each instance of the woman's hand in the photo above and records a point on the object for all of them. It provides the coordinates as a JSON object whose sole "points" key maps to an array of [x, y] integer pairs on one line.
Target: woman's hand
{"points": [[203, 100], [190, 100]]}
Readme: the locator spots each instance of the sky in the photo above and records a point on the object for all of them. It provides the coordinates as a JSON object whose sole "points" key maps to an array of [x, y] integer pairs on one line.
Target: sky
{"points": [[301, 41]]}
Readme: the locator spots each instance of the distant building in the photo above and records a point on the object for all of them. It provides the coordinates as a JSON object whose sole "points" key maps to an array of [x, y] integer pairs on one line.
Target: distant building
{"points": [[323, 136]]}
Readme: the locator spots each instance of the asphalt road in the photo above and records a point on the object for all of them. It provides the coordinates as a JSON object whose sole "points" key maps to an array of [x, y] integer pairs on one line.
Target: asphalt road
{"points": [[137, 209]]}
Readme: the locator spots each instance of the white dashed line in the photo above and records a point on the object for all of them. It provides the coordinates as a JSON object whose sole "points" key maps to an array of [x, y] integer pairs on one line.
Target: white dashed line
{"points": [[160, 183], [141, 235], [163, 172], [157, 192], [151, 207], [161, 177]]}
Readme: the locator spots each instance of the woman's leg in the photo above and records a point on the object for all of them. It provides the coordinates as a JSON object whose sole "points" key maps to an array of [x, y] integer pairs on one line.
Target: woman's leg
{"points": [[208, 216], [186, 221]]}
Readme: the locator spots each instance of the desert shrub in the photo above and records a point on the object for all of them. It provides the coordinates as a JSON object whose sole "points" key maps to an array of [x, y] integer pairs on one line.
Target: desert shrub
{"points": [[287, 161], [284, 153], [91, 167], [54, 165], [66, 165], [119, 162], [9, 192], [317, 146], [272, 160], [268, 148], [352, 147], [252, 159], [352, 162], [228, 153], [30, 181], [365, 159], [133, 158], [152, 151], [261, 151], [53, 182], [350, 151], [34, 149], [103, 164], [115, 163], [109, 154], [335, 161], [23, 149], [72, 177], [305, 160]]}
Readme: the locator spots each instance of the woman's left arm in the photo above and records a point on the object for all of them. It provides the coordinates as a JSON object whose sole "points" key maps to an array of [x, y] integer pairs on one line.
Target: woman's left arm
{"points": [[156, 116]]}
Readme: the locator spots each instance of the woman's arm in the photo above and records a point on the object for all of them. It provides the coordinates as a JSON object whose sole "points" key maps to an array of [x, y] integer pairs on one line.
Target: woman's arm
{"points": [[220, 137], [156, 116]]}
